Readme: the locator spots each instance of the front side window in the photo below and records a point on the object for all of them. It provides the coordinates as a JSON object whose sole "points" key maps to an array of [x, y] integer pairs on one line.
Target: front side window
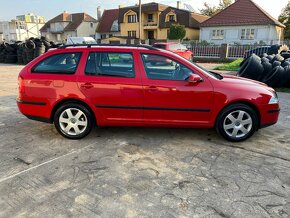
{"points": [[159, 67], [113, 64], [65, 63]]}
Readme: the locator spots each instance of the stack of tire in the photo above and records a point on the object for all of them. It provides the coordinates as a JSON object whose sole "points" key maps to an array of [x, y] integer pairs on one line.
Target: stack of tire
{"points": [[274, 70], [23, 53], [10, 54]]}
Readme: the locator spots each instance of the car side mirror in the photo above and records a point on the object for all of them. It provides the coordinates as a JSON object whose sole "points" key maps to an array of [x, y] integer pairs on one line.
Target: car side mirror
{"points": [[194, 78]]}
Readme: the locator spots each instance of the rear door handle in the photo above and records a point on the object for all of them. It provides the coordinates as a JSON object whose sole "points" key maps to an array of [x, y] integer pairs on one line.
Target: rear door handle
{"points": [[87, 86]]}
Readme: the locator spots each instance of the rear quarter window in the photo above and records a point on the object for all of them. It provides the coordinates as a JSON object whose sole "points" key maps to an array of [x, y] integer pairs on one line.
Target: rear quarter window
{"points": [[64, 63]]}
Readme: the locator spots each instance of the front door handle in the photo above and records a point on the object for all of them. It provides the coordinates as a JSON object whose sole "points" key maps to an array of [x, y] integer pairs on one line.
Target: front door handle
{"points": [[87, 86], [153, 88]]}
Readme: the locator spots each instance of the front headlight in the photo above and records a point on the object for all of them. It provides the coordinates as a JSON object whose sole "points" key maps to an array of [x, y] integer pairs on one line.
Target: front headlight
{"points": [[274, 99]]}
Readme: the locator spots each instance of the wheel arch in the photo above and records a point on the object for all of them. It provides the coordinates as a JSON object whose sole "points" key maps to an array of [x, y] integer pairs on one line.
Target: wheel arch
{"points": [[72, 100], [248, 103]]}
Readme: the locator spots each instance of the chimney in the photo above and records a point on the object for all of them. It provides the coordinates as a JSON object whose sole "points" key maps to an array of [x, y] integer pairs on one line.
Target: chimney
{"points": [[179, 5], [99, 13], [121, 6]]}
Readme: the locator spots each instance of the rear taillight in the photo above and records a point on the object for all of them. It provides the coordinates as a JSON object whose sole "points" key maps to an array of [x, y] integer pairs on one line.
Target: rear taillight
{"points": [[21, 85]]}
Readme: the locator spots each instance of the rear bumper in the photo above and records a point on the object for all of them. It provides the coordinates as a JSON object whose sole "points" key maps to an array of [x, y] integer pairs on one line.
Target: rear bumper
{"points": [[35, 110]]}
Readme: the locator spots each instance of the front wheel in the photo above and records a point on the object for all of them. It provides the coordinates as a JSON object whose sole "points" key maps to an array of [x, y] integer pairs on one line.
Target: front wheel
{"points": [[73, 121], [237, 122]]}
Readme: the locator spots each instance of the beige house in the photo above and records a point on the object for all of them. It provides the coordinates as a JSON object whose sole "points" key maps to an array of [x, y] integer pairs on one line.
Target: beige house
{"points": [[67, 25], [156, 20]]}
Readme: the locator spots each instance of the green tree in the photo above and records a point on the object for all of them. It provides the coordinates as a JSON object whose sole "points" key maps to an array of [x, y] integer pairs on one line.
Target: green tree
{"points": [[210, 10], [176, 32], [284, 18]]}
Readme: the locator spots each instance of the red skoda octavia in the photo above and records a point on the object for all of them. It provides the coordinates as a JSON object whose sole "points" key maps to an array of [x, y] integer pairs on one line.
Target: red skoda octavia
{"points": [[78, 87]]}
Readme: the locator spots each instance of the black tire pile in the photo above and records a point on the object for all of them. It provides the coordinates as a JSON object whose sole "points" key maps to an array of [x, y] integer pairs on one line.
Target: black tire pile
{"points": [[24, 52], [274, 70]]}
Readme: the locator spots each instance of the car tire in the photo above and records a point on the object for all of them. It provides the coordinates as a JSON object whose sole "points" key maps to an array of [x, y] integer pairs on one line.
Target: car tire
{"points": [[277, 57], [73, 120], [237, 122], [267, 69], [276, 64], [276, 78], [252, 69]]}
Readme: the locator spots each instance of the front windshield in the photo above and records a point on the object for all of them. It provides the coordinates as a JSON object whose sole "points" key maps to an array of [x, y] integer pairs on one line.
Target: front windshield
{"points": [[207, 72]]}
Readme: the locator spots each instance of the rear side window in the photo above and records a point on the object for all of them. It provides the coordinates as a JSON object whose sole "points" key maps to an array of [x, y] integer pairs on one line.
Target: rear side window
{"points": [[65, 63], [114, 64]]}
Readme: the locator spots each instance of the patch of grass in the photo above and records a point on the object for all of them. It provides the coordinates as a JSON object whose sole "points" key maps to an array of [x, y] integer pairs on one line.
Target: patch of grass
{"points": [[287, 90], [233, 66]]}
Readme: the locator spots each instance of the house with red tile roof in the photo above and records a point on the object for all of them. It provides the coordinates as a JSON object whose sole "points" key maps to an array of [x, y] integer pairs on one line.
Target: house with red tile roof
{"points": [[242, 22], [67, 25], [109, 26], [156, 20]]}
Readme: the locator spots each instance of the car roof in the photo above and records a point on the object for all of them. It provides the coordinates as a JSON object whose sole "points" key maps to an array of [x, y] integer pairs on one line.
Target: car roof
{"points": [[166, 43]]}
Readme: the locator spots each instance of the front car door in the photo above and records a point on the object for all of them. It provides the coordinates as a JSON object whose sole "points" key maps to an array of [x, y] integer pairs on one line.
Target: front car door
{"points": [[111, 82], [169, 98]]}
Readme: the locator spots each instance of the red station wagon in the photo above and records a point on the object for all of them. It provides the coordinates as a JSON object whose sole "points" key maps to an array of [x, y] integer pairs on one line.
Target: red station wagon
{"points": [[78, 87]]}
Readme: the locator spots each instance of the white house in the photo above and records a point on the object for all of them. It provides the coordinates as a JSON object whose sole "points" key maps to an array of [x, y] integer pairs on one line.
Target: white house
{"points": [[67, 25], [243, 22], [24, 27]]}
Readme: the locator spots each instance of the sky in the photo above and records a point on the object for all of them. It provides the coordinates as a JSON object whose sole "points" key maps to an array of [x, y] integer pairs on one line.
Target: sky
{"points": [[50, 8]]}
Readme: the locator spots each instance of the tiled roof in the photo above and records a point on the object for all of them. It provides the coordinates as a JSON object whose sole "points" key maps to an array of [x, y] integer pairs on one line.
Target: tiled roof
{"points": [[106, 22], [74, 21], [241, 12]]}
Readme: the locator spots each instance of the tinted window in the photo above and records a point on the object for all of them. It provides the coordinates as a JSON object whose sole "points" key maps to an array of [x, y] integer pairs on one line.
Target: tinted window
{"points": [[159, 67], [65, 63], [110, 64]]}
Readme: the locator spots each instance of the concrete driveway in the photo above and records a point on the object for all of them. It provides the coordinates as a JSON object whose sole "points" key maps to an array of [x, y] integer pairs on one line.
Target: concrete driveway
{"points": [[139, 172]]}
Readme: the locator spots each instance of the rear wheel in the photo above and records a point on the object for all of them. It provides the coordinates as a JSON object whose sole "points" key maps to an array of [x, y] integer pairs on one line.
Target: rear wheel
{"points": [[237, 122], [73, 121]]}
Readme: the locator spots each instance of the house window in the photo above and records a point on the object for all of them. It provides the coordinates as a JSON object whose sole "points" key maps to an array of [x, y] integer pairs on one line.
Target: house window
{"points": [[132, 34], [218, 34], [150, 18], [171, 18], [248, 34], [92, 25], [132, 18]]}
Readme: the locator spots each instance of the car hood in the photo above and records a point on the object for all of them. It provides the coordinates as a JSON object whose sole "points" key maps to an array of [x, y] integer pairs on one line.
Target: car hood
{"points": [[242, 81]]}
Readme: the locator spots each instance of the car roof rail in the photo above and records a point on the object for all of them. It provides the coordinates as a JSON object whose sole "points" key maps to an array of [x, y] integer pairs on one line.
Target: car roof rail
{"points": [[110, 45]]}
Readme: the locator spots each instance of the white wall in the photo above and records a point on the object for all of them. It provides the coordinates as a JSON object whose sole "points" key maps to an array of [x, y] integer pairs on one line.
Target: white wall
{"points": [[12, 32], [232, 34], [85, 29]]}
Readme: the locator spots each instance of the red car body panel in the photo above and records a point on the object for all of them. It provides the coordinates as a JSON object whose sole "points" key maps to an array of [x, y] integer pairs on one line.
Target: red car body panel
{"points": [[140, 101]]}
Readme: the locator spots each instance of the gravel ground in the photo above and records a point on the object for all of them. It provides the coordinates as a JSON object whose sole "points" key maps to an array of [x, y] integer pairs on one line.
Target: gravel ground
{"points": [[139, 172]]}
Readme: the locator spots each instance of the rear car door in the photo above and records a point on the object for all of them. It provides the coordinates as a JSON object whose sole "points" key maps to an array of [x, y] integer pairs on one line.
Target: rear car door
{"points": [[169, 98], [112, 83]]}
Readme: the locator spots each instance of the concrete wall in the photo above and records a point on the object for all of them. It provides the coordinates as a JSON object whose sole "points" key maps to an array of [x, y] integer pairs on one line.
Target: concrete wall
{"points": [[86, 30], [232, 34]]}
